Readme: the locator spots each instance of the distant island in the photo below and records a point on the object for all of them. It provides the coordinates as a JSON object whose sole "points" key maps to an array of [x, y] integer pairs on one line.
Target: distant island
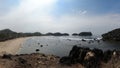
{"points": [[7, 34], [82, 34], [56, 34]]}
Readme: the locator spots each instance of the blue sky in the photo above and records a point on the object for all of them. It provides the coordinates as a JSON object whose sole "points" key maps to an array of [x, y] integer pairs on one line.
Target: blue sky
{"points": [[92, 6], [66, 6], [5, 5], [60, 15]]}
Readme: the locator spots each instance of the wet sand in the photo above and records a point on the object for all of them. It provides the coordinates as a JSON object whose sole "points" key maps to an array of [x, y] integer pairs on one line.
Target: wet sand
{"points": [[11, 46]]}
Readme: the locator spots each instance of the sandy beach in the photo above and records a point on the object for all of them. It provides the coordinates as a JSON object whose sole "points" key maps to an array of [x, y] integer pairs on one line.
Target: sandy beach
{"points": [[11, 46]]}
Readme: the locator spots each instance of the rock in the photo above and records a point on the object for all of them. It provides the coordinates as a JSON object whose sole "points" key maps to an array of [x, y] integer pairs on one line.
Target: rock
{"points": [[21, 60], [38, 43], [98, 53], [89, 55], [113, 35], [85, 34], [37, 50], [90, 58], [83, 40], [7, 56], [41, 45], [107, 56], [75, 34], [66, 60], [76, 55]]}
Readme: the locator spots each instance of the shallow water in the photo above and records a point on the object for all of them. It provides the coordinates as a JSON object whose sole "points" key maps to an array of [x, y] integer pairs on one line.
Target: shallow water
{"points": [[61, 46]]}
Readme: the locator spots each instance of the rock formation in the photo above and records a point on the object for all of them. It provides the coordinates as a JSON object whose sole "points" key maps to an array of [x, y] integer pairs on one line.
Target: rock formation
{"points": [[75, 34], [113, 35], [90, 58], [85, 34]]}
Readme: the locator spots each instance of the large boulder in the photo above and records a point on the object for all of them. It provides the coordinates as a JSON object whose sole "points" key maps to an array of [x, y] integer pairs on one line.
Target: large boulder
{"points": [[90, 58], [85, 34], [113, 35]]}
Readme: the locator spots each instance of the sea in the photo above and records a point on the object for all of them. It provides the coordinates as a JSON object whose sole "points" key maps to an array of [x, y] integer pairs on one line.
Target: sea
{"points": [[61, 45]]}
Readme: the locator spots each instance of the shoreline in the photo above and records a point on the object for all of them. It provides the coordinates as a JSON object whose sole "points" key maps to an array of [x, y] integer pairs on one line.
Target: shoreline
{"points": [[11, 59], [11, 46]]}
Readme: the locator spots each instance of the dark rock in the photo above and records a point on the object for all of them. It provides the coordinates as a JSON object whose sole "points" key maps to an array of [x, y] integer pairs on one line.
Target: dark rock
{"points": [[38, 43], [90, 58], [98, 53], [21, 60], [37, 50], [75, 34], [7, 56], [83, 40], [41, 45], [107, 56], [91, 63], [85, 34], [78, 54], [66, 60], [113, 35]]}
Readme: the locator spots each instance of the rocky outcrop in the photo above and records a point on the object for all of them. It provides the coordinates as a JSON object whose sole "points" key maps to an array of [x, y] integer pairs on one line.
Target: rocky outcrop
{"points": [[85, 34], [75, 34], [113, 35], [88, 58], [80, 58]]}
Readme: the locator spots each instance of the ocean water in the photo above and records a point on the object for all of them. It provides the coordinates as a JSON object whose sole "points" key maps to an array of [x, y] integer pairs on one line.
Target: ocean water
{"points": [[61, 46]]}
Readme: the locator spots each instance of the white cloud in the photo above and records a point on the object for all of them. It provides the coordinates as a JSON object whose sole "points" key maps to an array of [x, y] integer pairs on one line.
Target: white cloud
{"points": [[79, 12], [34, 15], [84, 12]]}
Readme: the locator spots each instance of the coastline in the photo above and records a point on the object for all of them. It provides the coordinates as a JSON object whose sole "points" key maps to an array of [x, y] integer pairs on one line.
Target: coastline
{"points": [[35, 60], [11, 46]]}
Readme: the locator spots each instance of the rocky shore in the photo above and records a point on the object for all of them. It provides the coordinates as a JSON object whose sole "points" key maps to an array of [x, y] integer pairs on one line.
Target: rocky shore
{"points": [[35, 60], [92, 58], [77, 58]]}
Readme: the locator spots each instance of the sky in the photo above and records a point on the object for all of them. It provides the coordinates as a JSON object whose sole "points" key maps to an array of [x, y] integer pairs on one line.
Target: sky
{"points": [[97, 16]]}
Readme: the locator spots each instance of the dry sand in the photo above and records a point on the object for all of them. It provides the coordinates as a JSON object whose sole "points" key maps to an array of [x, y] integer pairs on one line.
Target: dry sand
{"points": [[11, 46]]}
